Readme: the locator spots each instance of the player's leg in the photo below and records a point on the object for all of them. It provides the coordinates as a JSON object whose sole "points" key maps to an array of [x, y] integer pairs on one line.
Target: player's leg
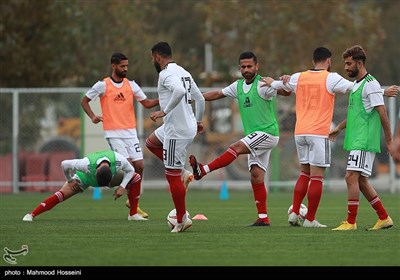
{"points": [[174, 161], [258, 162], [259, 194], [131, 150], [384, 221], [67, 190], [246, 145], [133, 193], [353, 177], [320, 159], [154, 142], [302, 183]]}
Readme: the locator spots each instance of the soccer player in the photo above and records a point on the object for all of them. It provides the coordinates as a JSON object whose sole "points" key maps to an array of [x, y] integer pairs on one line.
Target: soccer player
{"points": [[117, 95], [366, 116], [315, 91], [176, 89], [257, 111], [97, 170]]}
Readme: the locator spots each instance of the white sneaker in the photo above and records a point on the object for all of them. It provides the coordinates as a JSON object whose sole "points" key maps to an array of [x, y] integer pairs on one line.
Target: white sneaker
{"points": [[136, 217], [28, 218], [180, 227], [294, 219], [314, 223], [187, 177]]}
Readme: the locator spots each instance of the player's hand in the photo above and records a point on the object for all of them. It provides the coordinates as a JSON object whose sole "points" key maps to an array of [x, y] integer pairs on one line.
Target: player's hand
{"points": [[389, 147], [120, 191], [267, 81], [333, 133], [200, 128], [391, 91], [156, 115], [396, 150], [97, 119], [285, 79]]}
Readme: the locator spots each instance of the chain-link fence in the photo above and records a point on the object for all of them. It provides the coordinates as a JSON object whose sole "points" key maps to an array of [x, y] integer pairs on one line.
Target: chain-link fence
{"points": [[41, 127]]}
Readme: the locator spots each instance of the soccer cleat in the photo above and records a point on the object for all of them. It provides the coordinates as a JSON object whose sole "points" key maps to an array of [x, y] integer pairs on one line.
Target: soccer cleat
{"points": [[136, 217], [294, 219], [382, 224], [345, 225], [261, 222], [187, 177], [142, 213], [186, 223], [28, 218], [198, 170], [314, 223]]}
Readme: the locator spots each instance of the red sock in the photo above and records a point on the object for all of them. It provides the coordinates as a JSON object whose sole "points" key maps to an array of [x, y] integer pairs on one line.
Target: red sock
{"points": [[300, 191], [178, 192], [223, 160], [133, 189], [314, 196], [157, 150], [352, 208], [376, 203], [48, 203], [260, 197]]}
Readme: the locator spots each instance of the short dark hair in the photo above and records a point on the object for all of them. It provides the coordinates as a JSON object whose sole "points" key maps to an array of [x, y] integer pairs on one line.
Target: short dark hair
{"points": [[321, 54], [116, 58], [103, 176], [162, 48], [356, 53], [247, 55]]}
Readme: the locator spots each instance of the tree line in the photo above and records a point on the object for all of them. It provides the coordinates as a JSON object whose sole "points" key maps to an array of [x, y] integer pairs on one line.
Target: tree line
{"points": [[57, 43]]}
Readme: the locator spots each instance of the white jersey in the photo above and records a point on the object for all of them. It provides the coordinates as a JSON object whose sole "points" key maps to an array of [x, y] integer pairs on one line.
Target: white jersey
{"points": [[176, 88], [266, 93], [335, 83], [98, 91], [83, 164]]}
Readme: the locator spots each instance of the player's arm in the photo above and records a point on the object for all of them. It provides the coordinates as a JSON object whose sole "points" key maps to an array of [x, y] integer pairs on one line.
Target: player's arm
{"points": [[396, 143], [86, 107], [149, 103], [69, 166], [141, 97], [213, 95], [178, 91], [129, 173], [128, 170], [381, 109], [335, 132], [199, 105], [284, 85], [391, 91]]}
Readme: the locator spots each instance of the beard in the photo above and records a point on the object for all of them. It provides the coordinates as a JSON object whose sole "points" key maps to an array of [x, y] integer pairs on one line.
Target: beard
{"points": [[157, 66], [249, 76], [120, 74], [352, 73]]}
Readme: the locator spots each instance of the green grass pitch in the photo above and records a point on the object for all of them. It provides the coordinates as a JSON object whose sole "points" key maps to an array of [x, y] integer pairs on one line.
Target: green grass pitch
{"points": [[86, 232]]}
